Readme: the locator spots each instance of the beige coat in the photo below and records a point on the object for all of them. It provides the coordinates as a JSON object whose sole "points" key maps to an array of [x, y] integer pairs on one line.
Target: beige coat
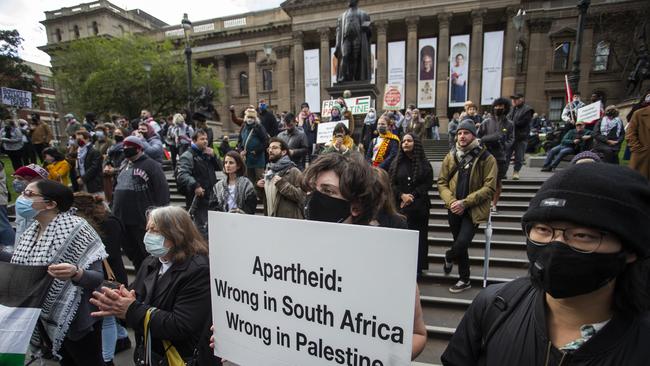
{"points": [[638, 140]]}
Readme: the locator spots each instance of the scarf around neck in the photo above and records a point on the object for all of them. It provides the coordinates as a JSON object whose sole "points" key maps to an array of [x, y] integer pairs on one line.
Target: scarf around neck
{"points": [[461, 151], [282, 164], [67, 239]]}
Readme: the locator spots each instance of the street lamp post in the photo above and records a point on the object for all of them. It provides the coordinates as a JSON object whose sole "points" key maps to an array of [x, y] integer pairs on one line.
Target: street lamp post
{"points": [[147, 68], [187, 30], [267, 51], [574, 77]]}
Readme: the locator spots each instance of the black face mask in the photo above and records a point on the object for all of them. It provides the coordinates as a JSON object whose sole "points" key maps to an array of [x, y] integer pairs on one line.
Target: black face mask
{"points": [[562, 272], [118, 138], [499, 112], [321, 207], [130, 152]]}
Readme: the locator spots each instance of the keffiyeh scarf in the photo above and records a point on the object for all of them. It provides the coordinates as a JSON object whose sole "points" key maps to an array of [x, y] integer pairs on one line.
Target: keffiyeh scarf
{"points": [[67, 239]]}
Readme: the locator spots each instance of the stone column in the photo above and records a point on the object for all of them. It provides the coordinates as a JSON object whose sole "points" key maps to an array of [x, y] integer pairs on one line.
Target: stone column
{"points": [[283, 81], [509, 67], [442, 89], [538, 52], [252, 77], [412, 60], [382, 60], [298, 69], [224, 113], [325, 64], [476, 56], [586, 59]]}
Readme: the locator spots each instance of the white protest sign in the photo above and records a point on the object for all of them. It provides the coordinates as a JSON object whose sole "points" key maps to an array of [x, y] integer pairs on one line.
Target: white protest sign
{"points": [[326, 130], [360, 105], [16, 98], [590, 112], [302, 293]]}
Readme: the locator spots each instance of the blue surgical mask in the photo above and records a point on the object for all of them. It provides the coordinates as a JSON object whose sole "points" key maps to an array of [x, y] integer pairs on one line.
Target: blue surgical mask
{"points": [[19, 185], [154, 244], [24, 208], [100, 135], [262, 106]]}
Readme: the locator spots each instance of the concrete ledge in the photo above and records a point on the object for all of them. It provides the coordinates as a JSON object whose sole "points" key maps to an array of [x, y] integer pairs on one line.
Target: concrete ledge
{"points": [[538, 162]]}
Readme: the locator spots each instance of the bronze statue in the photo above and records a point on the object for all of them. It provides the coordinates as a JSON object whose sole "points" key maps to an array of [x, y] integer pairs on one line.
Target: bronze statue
{"points": [[641, 70], [203, 103], [353, 45]]}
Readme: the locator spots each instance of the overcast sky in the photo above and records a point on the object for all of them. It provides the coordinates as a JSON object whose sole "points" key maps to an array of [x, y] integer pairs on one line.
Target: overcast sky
{"points": [[25, 15]]}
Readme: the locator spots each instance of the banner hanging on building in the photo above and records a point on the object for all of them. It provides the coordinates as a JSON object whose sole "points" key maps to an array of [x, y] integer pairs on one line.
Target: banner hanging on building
{"points": [[334, 65], [279, 300], [312, 78], [16, 98], [458, 70], [360, 105], [393, 97], [396, 62], [492, 66], [428, 48]]}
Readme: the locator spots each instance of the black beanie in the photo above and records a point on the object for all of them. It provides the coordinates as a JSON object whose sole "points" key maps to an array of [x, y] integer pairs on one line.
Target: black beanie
{"points": [[609, 197], [468, 125]]}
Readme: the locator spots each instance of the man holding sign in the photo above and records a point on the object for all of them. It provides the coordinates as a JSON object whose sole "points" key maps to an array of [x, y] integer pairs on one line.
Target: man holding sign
{"points": [[314, 306]]}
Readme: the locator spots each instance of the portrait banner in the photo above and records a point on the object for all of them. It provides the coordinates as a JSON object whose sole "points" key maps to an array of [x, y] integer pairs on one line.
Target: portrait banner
{"points": [[428, 48], [492, 67], [458, 70], [279, 300], [312, 78], [396, 62]]}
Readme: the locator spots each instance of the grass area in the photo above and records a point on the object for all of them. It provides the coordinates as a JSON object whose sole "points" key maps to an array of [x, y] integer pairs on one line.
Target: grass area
{"points": [[9, 173]]}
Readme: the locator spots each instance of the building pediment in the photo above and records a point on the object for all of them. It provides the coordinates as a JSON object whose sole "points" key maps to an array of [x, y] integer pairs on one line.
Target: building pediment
{"points": [[566, 32]]}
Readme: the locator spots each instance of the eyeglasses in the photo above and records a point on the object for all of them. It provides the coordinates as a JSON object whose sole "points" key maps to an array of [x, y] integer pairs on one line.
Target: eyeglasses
{"points": [[30, 193], [580, 239]]}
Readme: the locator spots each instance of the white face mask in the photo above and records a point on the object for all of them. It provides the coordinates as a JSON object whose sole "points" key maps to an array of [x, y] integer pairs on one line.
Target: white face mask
{"points": [[647, 98]]}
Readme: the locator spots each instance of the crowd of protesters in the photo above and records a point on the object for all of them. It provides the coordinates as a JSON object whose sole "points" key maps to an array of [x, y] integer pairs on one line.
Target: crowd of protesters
{"points": [[105, 194]]}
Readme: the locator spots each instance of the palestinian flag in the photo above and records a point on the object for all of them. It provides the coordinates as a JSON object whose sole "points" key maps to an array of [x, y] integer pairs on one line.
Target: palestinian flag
{"points": [[22, 290]]}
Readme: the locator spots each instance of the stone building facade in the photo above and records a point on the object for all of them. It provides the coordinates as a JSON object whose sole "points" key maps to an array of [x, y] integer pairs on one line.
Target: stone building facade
{"points": [[260, 54]]}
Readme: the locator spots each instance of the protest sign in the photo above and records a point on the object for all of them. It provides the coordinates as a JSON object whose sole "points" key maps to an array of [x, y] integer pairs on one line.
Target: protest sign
{"points": [[289, 293], [326, 129], [394, 97], [590, 112], [16, 98], [360, 105]]}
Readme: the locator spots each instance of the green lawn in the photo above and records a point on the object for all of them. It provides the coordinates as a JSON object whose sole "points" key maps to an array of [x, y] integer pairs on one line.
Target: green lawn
{"points": [[9, 172]]}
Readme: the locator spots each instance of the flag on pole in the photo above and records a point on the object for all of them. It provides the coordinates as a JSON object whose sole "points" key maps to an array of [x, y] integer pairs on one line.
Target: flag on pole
{"points": [[22, 290], [569, 92]]}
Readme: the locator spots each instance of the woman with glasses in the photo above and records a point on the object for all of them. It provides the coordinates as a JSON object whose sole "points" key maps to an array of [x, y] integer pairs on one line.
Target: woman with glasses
{"points": [[586, 299], [74, 252]]}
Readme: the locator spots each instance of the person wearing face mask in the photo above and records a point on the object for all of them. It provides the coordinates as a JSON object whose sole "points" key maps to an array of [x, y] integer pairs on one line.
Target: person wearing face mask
{"points": [[412, 177], [141, 184], [235, 193], [466, 184], [22, 178], [383, 148], [497, 134], [103, 141], [89, 165], [58, 168], [7, 234], [609, 135], [150, 141], [73, 252], [172, 287], [253, 140], [586, 298], [369, 129], [638, 137], [306, 121], [12, 143], [41, 134], [297, 141], [267, 119], [179, 136], [113, 161]]}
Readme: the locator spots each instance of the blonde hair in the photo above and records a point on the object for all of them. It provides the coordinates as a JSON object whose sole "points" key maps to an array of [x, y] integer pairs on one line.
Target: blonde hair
{"points": [[178, 118], [175, 224]]}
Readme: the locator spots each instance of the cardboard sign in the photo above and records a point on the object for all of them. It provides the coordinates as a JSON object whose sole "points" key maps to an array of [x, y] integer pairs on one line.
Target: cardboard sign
{"points": [[287, 292], [360, 105], [394, 97], [590, 112], [326, 130], [16, 98]]}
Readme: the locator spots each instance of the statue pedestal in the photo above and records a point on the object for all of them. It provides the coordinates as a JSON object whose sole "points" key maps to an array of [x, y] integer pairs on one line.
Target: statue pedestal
{"points": [[357, 88]]}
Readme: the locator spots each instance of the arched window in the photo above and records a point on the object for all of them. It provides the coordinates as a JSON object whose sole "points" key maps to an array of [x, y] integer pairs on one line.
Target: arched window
{"points": [[561, 56], [76, 31], [601, 56], [95, 28], [58, 35], [243, 83], [520, 56]]}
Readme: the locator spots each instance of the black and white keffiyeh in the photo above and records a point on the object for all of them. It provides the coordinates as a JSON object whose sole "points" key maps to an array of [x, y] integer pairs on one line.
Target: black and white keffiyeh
{"points": [[67, 239]]}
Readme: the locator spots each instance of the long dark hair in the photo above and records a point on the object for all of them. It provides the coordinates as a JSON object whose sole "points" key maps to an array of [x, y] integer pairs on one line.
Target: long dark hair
{"points": [[419, 160]]}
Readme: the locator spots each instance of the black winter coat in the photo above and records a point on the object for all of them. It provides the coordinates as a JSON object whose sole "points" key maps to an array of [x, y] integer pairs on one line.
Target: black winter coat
{"points": [[405, 183], [196, 169], [93, 171], [182, 297], [521, 116], [522, 338], [267, 119]]}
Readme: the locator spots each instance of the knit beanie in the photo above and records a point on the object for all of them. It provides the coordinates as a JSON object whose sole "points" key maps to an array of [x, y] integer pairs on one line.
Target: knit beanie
{"points": [[133, 141], [586, 155], [250, 113], [608, 197], [468, 125], [31, 171]]}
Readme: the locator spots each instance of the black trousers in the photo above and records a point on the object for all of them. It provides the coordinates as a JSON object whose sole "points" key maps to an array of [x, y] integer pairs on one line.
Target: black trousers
{"points": [[134, 246], [16, 157], [463, 230], [86, 351], [38, 149], [421, 224]]}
